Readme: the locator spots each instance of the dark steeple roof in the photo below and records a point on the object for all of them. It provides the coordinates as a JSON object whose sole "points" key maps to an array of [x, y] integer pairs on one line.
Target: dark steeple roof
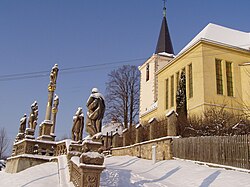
{"points": [[164, 43]]}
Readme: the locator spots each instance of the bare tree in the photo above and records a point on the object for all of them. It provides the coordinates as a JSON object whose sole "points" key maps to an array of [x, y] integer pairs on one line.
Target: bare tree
{"points": [[122, 94], [4, 143]]}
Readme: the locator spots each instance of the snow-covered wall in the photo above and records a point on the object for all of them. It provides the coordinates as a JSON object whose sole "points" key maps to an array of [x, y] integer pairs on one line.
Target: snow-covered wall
{"points": [[144, 149]]}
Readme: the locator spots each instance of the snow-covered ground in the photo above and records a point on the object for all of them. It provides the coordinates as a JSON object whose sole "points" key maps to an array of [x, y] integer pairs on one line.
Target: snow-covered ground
{"points": [[43, 175], [131, 171], [126, 171]]}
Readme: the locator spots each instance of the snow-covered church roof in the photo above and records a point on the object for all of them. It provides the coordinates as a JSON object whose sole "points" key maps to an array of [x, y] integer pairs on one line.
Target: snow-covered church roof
{"points": [[112, 127], [222, 35]]}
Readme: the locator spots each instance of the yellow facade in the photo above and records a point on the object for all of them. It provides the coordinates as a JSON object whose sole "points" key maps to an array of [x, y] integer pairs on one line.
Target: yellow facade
{"points": [[201, 59]]}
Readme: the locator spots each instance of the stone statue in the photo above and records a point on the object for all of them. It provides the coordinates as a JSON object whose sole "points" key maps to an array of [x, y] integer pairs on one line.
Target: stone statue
{"points": [[78, 123], [56, 102], [23, 121], [33, 116], [96, 109], [53, 74], [54, 112], [22, 128]]}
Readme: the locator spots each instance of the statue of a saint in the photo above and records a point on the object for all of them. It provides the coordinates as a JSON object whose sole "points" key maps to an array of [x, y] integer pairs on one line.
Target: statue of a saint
{"points": [[53, 74], [56, 102], [33, 116], [23, 121], [78, 123], [96, 109]]}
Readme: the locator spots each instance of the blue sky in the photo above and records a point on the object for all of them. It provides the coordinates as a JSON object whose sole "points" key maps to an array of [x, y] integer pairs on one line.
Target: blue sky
{"points": [[36, 34]]}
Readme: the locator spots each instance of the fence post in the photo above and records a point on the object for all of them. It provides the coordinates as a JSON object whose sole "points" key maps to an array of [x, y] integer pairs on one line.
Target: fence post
{"points": [[152, 123], [115, 142], [125, 136], [138, 137], [172, 123], [154, 154]]}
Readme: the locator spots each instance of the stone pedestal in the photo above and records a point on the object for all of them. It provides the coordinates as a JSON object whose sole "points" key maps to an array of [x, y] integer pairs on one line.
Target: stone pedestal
{"points": [[45, 128], [86, 175], [86, 170], [29, 133], [19, 137], [172, 123], [89, 145], [53, 136], [90, 175]]}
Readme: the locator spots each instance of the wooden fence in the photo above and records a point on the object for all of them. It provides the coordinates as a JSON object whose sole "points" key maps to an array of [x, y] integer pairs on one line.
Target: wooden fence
{"points": [[224, 150]]}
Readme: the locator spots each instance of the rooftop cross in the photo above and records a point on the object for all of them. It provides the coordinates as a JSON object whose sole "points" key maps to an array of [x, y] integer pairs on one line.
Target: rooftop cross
{"points": [[164, 8]]}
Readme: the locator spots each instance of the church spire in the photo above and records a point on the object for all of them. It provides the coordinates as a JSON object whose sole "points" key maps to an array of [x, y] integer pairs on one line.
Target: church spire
{"points": [[164, 43]]}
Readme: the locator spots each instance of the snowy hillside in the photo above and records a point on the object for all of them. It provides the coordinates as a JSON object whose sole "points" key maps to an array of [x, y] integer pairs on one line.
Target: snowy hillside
{"points": [[126, 171]]}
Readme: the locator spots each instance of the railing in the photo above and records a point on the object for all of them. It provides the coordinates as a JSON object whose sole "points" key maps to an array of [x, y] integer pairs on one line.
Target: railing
{"points": [[61, 149], [39, 147]]}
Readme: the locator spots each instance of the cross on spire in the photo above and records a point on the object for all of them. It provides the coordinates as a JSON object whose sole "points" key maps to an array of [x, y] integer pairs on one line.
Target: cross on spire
{"points": [[164, 8]]}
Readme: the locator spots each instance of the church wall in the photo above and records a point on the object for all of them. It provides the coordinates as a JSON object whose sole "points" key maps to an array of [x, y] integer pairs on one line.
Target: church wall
{"points": [[147, 87], [232, 103], [245, 77], [194, 57]]}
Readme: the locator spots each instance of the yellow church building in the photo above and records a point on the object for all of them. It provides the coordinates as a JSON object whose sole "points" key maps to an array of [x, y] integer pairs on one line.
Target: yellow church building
{"points": [[217, 68]]}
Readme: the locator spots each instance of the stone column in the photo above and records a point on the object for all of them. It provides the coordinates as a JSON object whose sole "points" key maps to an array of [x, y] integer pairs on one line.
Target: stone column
{"points": [[54, 113], [172, 123], [51, 89], [46, 125]]}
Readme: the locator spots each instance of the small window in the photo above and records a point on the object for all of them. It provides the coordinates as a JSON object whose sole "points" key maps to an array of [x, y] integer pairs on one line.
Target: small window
{"points": [[177, 79], [167, 94], [229, 78], [172, 91], [147, 72], [219, 80], [190, 80]]}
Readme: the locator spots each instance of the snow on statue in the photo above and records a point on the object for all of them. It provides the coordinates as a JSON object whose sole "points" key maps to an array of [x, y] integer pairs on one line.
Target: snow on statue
{"points": [[78, 123], [96, 109], [33, 116]]}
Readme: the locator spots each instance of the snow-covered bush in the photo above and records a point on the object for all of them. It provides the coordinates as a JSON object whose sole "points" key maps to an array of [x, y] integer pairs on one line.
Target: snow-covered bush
{"points": [[217, 122]]}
